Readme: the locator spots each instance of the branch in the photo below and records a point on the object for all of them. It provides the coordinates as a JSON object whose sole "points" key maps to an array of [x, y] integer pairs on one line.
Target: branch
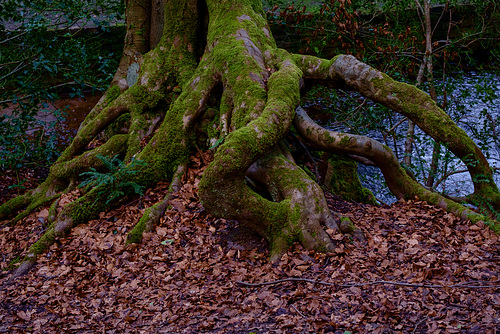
{"points": [[53, 87], [13, 37], [395, 126], [445, 176], [350, 285], [17, 69]]}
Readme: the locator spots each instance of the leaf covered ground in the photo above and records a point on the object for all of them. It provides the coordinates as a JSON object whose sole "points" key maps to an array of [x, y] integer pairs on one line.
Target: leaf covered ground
{"points": [[421, 270]]}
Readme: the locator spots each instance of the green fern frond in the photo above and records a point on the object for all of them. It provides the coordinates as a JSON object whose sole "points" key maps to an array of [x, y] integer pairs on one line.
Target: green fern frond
{"points": [[116, 182]]}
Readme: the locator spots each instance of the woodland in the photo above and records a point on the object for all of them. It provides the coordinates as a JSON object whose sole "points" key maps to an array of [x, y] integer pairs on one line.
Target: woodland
{"points": [[215, 185]]}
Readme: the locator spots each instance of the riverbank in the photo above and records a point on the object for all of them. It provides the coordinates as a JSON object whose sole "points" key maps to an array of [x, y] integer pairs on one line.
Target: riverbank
{"points": [[15, 181]]}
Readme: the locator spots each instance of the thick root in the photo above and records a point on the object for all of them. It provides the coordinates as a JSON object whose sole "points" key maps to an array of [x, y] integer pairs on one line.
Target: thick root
{"points": [[23, 268], [38, 202], [152, 215], [15, 204], [401, 184], [73, 168], [411, 102], [287, 181]]}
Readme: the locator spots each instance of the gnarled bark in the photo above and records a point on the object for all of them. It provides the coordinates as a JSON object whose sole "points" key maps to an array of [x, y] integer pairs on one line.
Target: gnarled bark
{"points": [[216, 69]]}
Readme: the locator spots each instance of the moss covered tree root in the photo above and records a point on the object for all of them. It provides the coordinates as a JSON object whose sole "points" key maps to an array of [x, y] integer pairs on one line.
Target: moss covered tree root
{"points": [[211, 71]]}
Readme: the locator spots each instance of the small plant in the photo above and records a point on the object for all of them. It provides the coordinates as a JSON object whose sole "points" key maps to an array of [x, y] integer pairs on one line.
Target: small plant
{"points": [[116, 180], [40, 58]]}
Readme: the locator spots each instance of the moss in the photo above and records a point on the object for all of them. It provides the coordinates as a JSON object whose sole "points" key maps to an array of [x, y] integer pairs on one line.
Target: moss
{"points": [[88, 206], [144, 98], [13, 263], [283, 231], [119, 126], [112, 94], [211, 128], [342, 179], [294, 180], [11, 206], [44, 242], [167, 149], [36, 202], [346, 225], [135, 235], [345, 141]]}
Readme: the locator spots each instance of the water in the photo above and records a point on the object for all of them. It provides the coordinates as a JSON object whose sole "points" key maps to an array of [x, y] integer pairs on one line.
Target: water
{"points": [[473, 102]]}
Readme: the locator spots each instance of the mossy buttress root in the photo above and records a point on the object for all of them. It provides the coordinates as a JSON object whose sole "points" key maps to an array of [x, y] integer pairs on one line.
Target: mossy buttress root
{"points": [[307, 208], [152, 215]]}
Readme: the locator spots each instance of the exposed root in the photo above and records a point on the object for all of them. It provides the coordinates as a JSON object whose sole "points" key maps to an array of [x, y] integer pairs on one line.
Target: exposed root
{"points": [[152, 215], [411, 102], [15, 204], [73, 168], [401, 184], [36, 203], [348, 227], [90, 131], [23, 268], [53, 211], [286, 181]]}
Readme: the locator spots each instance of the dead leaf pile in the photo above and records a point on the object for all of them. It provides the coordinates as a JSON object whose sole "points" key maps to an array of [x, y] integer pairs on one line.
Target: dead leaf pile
{"points": [[184, 278]]}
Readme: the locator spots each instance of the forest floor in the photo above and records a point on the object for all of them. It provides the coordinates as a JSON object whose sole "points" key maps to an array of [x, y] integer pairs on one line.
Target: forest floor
{"points": [[421, 270]]}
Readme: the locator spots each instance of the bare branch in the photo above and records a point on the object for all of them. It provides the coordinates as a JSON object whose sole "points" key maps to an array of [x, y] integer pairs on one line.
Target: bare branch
{"points": [[464, 285]]}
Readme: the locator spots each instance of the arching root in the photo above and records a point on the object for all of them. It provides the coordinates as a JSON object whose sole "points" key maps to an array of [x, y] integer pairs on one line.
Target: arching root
{"points": [[401, 184], [411, 102]]}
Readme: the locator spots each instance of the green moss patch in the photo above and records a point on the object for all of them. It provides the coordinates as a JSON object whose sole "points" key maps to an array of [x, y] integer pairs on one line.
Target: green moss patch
{"points": [[341, 178]]}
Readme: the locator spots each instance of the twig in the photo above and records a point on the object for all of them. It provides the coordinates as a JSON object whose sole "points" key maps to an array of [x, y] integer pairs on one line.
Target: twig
{"points": [[447, 175], [52, 87], [381, 202], [296, 310], [349, 285], [395, 126], [418, 324], [13, 37], [458, 305]]}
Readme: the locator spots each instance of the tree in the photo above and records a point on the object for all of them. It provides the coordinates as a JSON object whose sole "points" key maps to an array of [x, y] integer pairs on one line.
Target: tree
{"points": [[193, 70]]}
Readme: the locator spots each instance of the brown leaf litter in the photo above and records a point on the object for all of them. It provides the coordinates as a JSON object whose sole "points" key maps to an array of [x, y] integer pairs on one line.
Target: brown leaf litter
{"points": [[183, 278]]}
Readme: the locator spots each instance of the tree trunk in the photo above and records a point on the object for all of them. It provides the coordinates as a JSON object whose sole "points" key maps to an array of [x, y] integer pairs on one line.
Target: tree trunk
{"points": [[216, 72]]}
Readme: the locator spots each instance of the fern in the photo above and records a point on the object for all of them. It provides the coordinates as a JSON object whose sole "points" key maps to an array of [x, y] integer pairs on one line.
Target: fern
{"points": [[117, 180]]}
